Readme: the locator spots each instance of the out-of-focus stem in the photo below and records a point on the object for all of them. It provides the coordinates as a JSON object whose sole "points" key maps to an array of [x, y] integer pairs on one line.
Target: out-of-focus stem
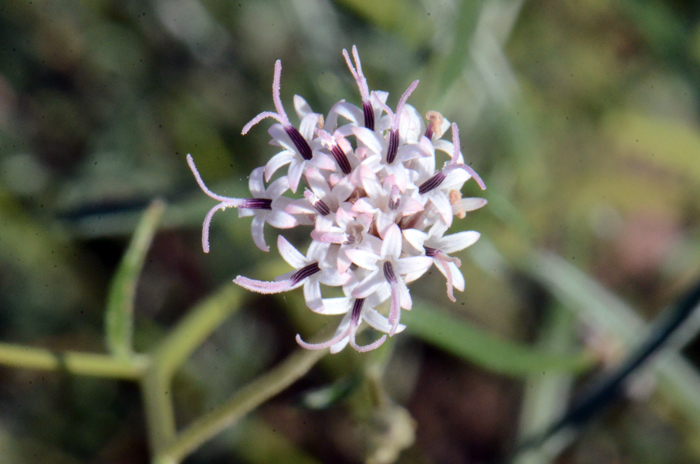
{"points": [[245, 400], [96, 365]]}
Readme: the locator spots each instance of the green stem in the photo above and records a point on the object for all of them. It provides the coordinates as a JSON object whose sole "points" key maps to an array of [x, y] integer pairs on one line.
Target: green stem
{"points": [[97, 365], [245, 400], [119, 315], [159, 409]]}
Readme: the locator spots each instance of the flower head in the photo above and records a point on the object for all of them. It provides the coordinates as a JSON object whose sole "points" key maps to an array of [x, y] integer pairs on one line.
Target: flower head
{"points": [[377, 206]]}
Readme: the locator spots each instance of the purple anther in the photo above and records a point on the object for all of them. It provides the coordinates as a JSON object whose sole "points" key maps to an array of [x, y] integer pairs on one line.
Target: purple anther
{"points": [[369, 115], [304, 272], [432, 252], [341, 158], [299, 142], [432, 183], [257, 203], [393, 146], [389, 273], [357, 309]]}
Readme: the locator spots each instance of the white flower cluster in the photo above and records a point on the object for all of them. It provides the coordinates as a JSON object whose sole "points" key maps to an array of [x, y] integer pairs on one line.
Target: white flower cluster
{"points": [[378, 209]]}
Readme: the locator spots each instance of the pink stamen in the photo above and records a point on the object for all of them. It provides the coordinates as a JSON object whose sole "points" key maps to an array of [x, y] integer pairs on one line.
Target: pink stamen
{"points": [[357, 74], [327, 344], [395, 310], [265, 288], [280, 116], [455, 156]]}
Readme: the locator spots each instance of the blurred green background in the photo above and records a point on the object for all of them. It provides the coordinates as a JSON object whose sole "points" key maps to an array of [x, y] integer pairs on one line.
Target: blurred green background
{"points": [[581, 116]]}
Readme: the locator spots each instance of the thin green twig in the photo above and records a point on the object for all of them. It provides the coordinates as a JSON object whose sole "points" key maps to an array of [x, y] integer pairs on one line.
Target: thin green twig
{"points": [[119, 315], [97, 365], [245, 400]]}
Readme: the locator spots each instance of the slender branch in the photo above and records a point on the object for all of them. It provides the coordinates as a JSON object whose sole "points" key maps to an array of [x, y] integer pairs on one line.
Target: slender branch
{"points": [[245, 400], [119, 315], [158, 405], [97, 365]]}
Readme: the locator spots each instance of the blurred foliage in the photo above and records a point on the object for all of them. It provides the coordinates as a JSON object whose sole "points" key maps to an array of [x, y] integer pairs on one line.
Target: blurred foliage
{"points": [[582, 117]]}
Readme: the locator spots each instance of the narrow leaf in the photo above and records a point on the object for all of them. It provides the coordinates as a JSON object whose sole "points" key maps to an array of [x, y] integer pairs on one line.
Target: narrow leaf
{"points": [[480, 347]]}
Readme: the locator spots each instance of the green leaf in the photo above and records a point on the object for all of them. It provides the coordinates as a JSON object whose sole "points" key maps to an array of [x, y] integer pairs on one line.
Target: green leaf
{"points": [[484, 349], [119, 317]]}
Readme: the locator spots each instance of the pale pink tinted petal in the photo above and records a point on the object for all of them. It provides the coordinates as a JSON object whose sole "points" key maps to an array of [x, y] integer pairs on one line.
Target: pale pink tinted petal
{"points": [[375, 320], [415, 238], [316, 182], [307, 126], [323, 161], [369, 285], [413, 264], [312, 295], [296, 168], [471, 204], [277, 188], [406, 301], [391, 246], [443, 206], [290, 254], [301, 106], [395, 309], [255, 182], [455, 180], [257, 228], [333, 306], [364, 259], [335, 279], [410, 206], [368, 138], [459, 241], [300, 206], [281, 220], [277, 161]]}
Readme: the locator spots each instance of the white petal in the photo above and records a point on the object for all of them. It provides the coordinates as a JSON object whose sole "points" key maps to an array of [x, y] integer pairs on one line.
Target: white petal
{"points": [[415, 238], [312, 295], [443, 206], [375, 320], [277, 188], [369, 139], [391, 245], [281, 220], [255, 182], [301, 106], [414, 264], [364, 259], [470, 204], [290, 254], [257, 228], [332, 306], [317, 182], [459, 241], [296, 168], [369, 285], [323, 161], [404, 295], [280, 159]]}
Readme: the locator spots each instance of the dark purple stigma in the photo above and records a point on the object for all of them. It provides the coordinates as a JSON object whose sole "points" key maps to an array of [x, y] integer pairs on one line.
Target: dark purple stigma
{"points": [[432, 183], [341, 158], [299, 142], [389, 273], [393, 146], [322, 208], [304, 272], [431, 252], [257, 203], [369, 115], [357, 308], [429, 132]]}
